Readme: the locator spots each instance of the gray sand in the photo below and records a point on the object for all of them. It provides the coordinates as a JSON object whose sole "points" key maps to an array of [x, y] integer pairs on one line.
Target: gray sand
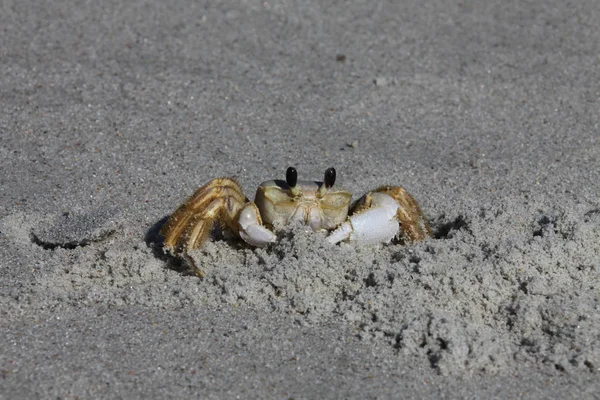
{"points": [[113, 114]]}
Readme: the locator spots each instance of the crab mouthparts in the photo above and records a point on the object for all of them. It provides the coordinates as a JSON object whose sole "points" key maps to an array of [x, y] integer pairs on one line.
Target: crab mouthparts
{"points": [[310, 216]]}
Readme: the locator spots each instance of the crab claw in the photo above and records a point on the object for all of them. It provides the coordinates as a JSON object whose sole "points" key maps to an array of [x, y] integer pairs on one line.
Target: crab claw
{"points": [[376, 224], [251, 228]]}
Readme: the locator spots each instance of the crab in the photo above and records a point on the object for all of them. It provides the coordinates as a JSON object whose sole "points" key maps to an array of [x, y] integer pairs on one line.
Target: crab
{"points": [[379, 216]]}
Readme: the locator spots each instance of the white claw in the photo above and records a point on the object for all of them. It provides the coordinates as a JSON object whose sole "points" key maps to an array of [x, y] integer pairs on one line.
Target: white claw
{"points": [[251, 229], [341, 233], [378, 224]]}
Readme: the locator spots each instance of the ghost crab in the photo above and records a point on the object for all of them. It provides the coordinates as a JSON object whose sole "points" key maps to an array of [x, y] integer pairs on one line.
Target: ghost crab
{"points": [[377, 217]]}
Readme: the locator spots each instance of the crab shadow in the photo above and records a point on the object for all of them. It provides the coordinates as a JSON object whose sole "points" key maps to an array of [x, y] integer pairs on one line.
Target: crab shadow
{"points": [[446, 229], [155, 240]]}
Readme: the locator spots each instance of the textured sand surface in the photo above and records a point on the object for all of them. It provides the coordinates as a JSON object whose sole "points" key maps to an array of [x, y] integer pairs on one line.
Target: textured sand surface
{"points": [[113, 113]]}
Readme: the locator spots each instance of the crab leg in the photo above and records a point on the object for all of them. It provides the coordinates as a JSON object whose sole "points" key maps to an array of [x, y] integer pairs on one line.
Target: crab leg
{"points": [[221, 198], [413, 224], [219, 201], [251, 228]]}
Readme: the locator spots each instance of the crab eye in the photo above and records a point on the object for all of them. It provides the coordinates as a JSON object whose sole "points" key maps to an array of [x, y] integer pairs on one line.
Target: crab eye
{"points": [[291, 177], [329, 177]]}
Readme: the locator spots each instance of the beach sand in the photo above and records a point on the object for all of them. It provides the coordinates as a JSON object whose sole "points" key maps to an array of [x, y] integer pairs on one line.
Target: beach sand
{"points": [[113, 113]]}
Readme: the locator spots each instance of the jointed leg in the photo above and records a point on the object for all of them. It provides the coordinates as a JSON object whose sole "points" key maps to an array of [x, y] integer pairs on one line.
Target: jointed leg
{"points": [[414, 225], [198, 209], [222, 201]]}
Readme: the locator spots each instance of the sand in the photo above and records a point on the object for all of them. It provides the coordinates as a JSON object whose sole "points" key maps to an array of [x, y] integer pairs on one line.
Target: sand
{"points": [[114, 113]]}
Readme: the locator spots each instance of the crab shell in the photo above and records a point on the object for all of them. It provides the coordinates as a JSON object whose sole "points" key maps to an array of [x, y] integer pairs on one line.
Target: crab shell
{"points": [[309, 202], [377, 217]]}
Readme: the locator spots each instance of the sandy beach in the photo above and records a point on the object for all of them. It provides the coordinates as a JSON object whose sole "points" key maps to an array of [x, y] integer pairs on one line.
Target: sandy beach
{"points": [[113, 113]]}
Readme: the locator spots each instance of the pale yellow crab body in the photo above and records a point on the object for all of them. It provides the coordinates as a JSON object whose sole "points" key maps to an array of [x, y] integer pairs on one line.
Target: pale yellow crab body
{"points": [[308, 202]]}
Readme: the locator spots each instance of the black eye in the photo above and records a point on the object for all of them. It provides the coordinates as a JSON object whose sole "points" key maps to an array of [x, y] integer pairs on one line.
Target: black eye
{"points": [[291, 176], [329, 177]]}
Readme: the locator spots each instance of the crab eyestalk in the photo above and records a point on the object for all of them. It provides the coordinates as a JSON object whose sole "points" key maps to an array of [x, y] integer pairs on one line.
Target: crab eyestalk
{"points": [[328, 180], [291, 178]]}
